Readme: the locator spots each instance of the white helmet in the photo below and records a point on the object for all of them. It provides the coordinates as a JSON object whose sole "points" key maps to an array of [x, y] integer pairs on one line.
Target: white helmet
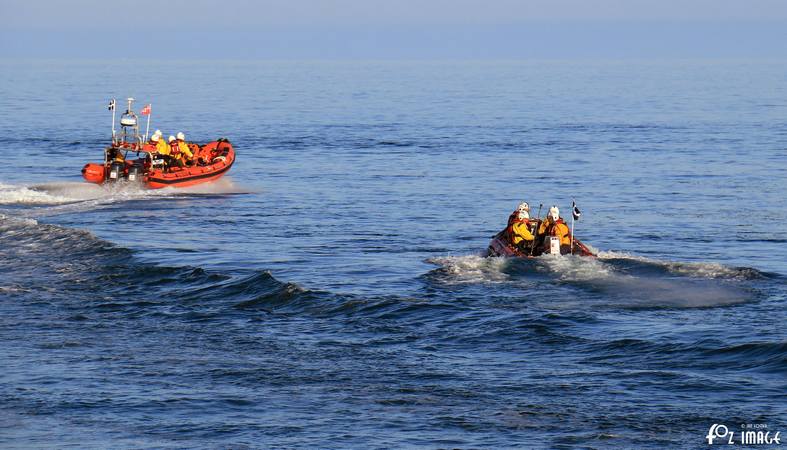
{"points": [[554, 213], [181, 136], [522, 214], [171, 138], [523, 207], [158, 132], [155, 137]]}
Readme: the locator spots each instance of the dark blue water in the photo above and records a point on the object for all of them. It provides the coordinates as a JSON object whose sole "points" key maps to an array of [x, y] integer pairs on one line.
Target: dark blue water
{"points": [[329, 292]]}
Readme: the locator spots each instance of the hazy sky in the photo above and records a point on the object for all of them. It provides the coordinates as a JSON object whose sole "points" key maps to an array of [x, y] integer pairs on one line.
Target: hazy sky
{"points": [[396, 28]]}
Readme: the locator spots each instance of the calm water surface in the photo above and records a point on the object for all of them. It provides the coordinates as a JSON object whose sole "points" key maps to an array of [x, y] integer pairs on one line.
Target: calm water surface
{"points": [[330, 291]]}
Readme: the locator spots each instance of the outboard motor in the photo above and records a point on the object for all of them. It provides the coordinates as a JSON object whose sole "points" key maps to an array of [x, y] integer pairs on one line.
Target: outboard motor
{"points": [[116, 171], [135, 173]]}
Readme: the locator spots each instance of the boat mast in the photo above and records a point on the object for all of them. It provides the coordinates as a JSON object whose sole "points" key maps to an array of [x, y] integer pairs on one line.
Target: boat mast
{"points": [[112, 108]]}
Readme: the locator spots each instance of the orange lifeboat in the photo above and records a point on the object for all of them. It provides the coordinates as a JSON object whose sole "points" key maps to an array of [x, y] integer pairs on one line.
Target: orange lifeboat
{"points": [[209, 162]]}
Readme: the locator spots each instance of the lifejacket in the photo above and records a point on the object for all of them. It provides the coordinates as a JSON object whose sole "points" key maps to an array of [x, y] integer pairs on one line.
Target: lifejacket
{"points": [[162, 148], [184, 149], [174, 149], [512, 220], [554, 230]]}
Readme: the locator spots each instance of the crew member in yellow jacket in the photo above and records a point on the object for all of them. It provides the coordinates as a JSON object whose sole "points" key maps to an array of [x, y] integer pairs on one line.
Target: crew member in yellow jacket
{"points": [[185, 152], [519, 228], [555, 226], [161, 147]]}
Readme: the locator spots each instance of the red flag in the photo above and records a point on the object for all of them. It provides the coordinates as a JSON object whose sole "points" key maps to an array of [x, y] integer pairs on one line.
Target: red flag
{"points": [[145, 111]]}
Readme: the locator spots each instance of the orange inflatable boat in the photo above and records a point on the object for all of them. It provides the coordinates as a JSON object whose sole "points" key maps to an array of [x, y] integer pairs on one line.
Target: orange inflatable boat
{"points": [[131, 160], [211, 161]]}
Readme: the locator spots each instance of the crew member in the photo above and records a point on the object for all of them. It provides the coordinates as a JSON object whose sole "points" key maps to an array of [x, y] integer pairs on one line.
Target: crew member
{"points": [[174, 152], [183, 149], [555, 226], [155, 133], [519, 228], [160, 147]]}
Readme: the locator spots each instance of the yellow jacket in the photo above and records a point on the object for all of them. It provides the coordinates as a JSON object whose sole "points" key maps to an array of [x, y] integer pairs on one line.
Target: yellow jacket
{"points": [[559, 229], [520, 232], [162, 148], [184, 149]]}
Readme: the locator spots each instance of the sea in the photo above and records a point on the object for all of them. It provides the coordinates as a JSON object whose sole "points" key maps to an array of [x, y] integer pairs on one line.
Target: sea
{"points": [[331, 291]]}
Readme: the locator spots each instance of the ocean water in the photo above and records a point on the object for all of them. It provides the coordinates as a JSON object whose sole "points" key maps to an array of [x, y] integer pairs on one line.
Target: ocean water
{"points": [[330, 291]]}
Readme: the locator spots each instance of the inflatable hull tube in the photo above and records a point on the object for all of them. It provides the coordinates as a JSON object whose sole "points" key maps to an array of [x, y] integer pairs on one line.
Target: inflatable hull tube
{"points": [[219, 156]]}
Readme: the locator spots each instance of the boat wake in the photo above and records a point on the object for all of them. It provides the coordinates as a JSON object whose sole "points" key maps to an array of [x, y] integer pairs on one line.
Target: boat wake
{"points": [[222, 186], [613, 279], [58, 197], [32, 195]]}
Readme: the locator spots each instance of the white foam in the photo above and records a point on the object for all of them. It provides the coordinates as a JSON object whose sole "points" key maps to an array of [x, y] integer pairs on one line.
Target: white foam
{"points": [[10, 195], [622, 289], [472, 268], [691, 269], [23, 221], [69, 192], [576, 268], [475, 268], [12, 289], [66, 197]]}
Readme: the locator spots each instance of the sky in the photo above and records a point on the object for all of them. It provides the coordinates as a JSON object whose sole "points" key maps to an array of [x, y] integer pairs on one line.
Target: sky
{"points": [[394, 29]]}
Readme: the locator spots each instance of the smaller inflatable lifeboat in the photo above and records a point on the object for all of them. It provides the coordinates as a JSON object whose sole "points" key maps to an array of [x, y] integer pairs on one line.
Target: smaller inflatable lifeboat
{"points": [[128, 158], [502, 246]]}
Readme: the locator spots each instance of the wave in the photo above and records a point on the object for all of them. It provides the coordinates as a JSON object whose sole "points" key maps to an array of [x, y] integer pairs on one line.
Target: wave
{"points": [[621, 280], [27, 239], [767, 356], [61, 265], [703, 354], [80, 277], [258, 291], [83, 275], [57, 263]]}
